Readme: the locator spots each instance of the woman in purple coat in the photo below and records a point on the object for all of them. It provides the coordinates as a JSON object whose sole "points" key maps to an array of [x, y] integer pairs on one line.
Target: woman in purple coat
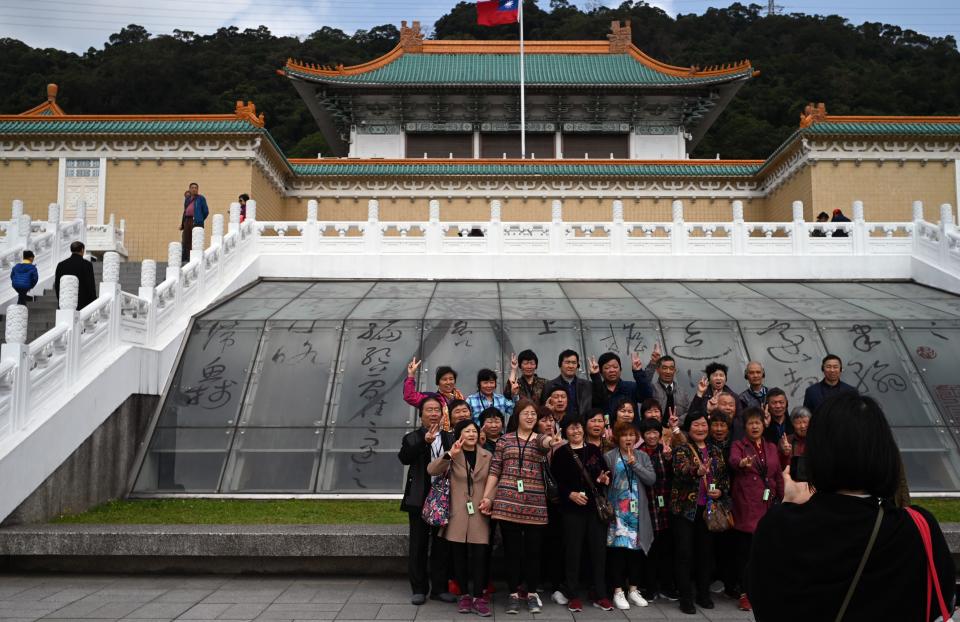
{"points": [[757, 484]]}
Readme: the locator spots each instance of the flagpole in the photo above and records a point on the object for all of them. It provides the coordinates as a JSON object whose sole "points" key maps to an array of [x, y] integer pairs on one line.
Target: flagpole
{"points": [[523, 102]]}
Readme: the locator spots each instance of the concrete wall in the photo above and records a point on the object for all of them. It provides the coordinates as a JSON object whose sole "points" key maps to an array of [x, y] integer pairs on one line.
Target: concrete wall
{"points": [[887, 189], [269, 200], [658, 147], [779, 203], [32, 181], [97, 471]]}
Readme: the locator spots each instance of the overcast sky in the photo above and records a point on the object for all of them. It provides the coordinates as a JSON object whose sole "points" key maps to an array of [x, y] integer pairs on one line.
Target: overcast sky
{"points": [[79, 24]]}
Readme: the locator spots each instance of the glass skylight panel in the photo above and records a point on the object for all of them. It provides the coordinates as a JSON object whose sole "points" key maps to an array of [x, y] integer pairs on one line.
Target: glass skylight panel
{"points": [[338, 289], [610, 308], [900, 309], [317, 309], [790, 351], [390, 308], [684, 309], [473, 289], [755, 309], [524, 289], [536, 308], [402, 289], [276, 289], [849, 290], [828, 309], [777, 290], [721, 290], [247, 309], [466, 345], [657, 290], [622, 337], [696, 343], [594, 290]]}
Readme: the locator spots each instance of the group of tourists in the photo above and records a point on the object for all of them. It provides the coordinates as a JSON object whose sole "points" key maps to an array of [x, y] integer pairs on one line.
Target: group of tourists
{"points": [[603, 490]]}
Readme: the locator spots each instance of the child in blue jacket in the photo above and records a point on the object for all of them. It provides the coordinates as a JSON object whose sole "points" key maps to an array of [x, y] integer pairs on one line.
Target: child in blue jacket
{"points": [[24, 277]]}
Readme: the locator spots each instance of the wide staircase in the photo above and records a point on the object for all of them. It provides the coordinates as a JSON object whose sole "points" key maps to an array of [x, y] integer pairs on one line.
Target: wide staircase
{"points": [[43, 309]]}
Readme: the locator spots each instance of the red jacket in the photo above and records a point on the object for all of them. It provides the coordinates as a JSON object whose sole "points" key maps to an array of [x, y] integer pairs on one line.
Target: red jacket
{"points": [[749, 483]]}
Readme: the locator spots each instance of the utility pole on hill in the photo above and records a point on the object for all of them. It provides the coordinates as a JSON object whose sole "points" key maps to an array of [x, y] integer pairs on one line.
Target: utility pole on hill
{"points": [[773, 8]]}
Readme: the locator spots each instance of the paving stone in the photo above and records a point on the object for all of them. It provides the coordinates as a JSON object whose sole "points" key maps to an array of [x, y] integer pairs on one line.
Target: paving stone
{"points": [[204, 611], [158, 610], [181, 595], [244, 611], [397, 612], [359, 611], [290, 611], [243, 596]]}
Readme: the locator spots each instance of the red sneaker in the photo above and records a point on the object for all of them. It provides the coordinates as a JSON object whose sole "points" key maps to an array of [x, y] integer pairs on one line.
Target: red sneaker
{"points": [[453, 587], [575, 605], [603, 603], [745, 603], [490, 589]]}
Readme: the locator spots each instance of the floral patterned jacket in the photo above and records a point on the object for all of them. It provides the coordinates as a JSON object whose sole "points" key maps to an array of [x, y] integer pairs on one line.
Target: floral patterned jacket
{"points": [[686, 483]]}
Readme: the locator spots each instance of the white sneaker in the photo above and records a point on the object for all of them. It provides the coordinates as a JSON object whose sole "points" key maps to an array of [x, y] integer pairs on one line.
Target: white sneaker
{"points": [[716, 587], [636, 599], [559, 598], [620, 601]]}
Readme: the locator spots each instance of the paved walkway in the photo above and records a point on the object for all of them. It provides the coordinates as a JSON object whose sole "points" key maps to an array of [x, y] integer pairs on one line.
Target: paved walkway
{"points": [[25, 598]]}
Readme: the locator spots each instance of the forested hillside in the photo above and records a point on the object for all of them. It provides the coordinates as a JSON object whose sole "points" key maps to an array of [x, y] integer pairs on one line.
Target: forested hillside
{"points": [[871, 68]]}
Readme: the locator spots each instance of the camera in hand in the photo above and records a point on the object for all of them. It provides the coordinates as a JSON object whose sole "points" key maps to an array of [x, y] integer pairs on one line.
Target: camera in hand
{"points": [[798, 469]]}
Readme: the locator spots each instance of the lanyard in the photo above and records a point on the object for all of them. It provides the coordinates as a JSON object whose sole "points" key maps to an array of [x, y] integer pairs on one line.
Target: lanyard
{"points": [[469, 477], [523, 450], [761, 459]]}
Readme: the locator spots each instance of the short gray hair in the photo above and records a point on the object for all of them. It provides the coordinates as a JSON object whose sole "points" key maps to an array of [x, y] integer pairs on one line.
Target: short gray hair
{"points": [[799, 413]]}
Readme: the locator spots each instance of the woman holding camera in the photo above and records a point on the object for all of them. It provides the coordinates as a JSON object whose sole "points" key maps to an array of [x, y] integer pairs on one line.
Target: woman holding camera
{"points": [[868, 557]]}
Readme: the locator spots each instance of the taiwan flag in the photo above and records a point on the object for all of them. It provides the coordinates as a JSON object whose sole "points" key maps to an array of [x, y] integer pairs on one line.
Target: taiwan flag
{"points": [[495, 12]]}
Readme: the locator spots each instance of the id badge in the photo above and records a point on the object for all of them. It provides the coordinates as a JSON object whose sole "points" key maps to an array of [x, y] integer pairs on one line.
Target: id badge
{"points": [[659, 501], [713, 487], [470, 510], [633, 506], [766, 494], [519, 485]]}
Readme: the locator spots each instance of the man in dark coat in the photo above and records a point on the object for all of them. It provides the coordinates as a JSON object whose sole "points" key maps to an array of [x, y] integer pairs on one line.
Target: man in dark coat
{"points": [[579, 390], [76, 265], [417, 450], [831, 384]]}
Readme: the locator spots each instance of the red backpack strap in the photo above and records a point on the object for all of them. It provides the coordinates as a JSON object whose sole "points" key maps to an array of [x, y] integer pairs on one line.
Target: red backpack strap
{"points": [[932, 579]]}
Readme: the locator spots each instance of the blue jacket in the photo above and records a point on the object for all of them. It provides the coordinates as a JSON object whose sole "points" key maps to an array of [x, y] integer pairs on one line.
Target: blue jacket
{"points": [[820, 392], [200, 210], [24, 276], [636, 392]]}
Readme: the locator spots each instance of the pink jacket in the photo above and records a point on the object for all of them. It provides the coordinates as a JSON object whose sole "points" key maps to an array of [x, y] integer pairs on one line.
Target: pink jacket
{"points": [[748, 483], [413, 397]]}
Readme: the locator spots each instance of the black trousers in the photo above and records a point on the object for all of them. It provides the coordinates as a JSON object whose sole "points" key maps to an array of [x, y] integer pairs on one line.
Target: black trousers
{"points": [[694, 556], [727, 567], [470, 562], [659, 574], [626, 567], [551, 552], [743, 541], [22, 297], [426, 543], [186, 239], [521, 550], [583, 531]]}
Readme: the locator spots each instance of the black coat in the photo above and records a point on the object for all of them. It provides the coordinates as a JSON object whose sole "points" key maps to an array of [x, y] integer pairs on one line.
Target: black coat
{"points": [[584, 394], [804, 557], [817, 394], [76, 265], [415, 453]]}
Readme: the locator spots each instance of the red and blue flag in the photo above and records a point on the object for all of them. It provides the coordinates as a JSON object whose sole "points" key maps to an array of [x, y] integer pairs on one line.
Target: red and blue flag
{"points": [[495, 12]]}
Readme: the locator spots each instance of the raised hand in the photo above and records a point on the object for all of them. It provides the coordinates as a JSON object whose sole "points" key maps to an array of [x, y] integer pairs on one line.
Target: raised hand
{"points": [[412, 367], [785, 445], [432, 432], [702, 385], [456, 448], [593, 365], [656, 355], [630, 458], [604, 478], [766, 416], [712, 403], [673, 420], [635, 362], [514, 387]]}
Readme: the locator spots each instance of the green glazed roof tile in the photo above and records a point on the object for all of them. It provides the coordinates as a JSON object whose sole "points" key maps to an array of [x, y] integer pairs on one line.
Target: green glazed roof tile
{"points": [[120, 126], [559, 169], [873, 128], [504, 69]]}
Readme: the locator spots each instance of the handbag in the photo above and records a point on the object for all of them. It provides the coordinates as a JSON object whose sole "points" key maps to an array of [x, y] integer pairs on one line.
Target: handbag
{"points": [[604, 508], [863, 562], [933, 581], [550, 487], [436, 507], [716, 515]]}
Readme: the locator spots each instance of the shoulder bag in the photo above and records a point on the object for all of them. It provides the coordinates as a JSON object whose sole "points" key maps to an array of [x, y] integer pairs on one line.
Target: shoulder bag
{"points": [[436, 507], [550, 487], [716, 515], [604, 508], [863, 562], [933, 580]]}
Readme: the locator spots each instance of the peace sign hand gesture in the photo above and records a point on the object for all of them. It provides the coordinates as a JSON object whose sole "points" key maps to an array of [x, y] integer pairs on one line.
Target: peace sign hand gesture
{"points": [[594, 366], [702, 386], [604, 478], [635, 362], [455, 448], [432, 432], [766, 415], [412, 367], [712, 403], [673, 420], [514, 364], [656, 355]]}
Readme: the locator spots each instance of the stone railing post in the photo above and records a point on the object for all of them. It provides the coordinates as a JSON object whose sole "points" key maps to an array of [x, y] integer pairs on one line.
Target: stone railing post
{"points": [[17, 351], [678, 236], [53, 226], [216, 239], [859, 229], [174, 257], [251, 210], [433, 233], [13, 229], [371, 234], [556, 226], [739, 232], [148, 291], [618, 231], [110, 288], [947, 225], [196, 255], [23, 230], [67, 315], [801, 235], [82, 210], [495, 229], [918, 220], [252, 219], [312, 231], [234, 225]]}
